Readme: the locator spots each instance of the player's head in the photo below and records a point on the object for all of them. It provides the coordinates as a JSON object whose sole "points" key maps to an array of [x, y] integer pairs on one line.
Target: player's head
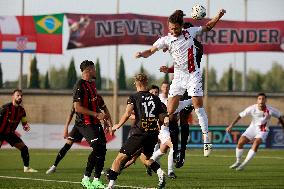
{"points": [[261, 100], [165, 87], [154, 90], [17, 97], [175, 23], [88, 67], [141, 80]]}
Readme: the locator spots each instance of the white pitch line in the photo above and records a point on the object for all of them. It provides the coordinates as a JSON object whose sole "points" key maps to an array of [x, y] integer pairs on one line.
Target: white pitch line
{"points": [[64, 181], [226, 156]]}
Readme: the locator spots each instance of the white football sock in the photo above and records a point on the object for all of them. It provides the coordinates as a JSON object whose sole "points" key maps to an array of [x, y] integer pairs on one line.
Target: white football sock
{"points": [[250, 155], [157, 155], [171, 161], [157, 147], [203, 122], [111, 183], [182, 104], [239, 153]]}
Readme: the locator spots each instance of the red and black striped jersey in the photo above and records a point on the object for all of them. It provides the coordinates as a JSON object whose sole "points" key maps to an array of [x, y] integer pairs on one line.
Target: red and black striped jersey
{"points": [[10, 117], [85, 92]]}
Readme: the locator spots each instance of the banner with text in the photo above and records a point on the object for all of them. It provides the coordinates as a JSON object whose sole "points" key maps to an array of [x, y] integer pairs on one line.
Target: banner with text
{"points": [[88, 30]]}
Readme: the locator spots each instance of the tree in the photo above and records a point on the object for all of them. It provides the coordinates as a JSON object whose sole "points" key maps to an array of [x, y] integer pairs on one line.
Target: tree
{"points": [[230, 78], [212, 80], [58, 78], [98, 75], [46, 81], [167, 77], [1, 77], [71, 75], [121, 75], [142, 70], [34, 75], [223, 83], [255, 81], [273, 79]]}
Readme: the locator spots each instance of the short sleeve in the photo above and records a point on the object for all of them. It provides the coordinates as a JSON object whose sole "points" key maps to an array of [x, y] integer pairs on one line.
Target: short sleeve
{"points": [[78, 92], [275, 113], [193, 31], [101, 102], [160, 43], [130, 100], [246, 112]]}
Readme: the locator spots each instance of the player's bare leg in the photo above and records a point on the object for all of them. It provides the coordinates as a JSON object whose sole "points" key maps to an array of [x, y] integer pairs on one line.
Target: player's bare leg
{"points": [[251, 153], [239, 151], [115, 169], [197, 102]]}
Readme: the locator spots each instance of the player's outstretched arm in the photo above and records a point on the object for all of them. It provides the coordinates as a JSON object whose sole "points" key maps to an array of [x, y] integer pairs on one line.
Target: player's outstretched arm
{"points": [[213, 21], [125, 117], [281, 121], [229, 128], [146, 53]]}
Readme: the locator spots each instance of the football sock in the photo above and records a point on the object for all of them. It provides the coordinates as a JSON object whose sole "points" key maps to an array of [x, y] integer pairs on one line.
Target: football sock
{"points": [[62, 153], [90, 164], [157, 155], [155, 166], [250, 155], [25, 156], [157, 147], [203, 122], [171, 161], [184, 136], [239, 153]]}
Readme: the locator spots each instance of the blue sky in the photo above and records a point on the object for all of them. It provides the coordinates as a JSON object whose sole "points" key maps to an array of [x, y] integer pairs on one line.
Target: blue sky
{"points": [[258, 10]]}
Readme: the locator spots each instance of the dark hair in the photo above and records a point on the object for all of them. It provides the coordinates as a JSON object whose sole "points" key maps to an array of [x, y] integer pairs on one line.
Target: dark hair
{"points": [[17, 90], [85, 64], [261, 94], [187, 25], [155, 87], [176, 17], [165, 82]]}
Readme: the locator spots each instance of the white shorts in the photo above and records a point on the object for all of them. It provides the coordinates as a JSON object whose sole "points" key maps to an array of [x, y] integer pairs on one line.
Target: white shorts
{"points": [[253, 132], [192, 82], [164, 135]]}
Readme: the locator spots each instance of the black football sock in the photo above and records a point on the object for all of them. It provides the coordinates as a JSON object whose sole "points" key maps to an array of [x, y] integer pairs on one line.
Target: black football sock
{"points": [[62, 153], [25, 156]]}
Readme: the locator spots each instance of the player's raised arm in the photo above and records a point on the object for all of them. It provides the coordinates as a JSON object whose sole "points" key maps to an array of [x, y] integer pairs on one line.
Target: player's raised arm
{"points": [[209, 25], [146, 53]]}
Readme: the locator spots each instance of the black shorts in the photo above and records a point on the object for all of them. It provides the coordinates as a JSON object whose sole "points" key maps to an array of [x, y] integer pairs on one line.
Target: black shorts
{"points": [[136, 142], [75, 135], [11, 138], [94, 134]]}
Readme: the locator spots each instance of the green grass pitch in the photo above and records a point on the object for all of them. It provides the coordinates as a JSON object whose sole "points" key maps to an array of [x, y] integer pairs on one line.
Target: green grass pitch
{"points": [[266, 170]]}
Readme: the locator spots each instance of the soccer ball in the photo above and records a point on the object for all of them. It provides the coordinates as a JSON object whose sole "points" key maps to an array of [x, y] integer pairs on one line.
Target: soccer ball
{"points": [[198, 12]]}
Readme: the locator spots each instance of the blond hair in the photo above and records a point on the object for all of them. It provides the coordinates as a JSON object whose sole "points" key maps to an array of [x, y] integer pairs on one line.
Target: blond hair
{"points": [[142, 78]]}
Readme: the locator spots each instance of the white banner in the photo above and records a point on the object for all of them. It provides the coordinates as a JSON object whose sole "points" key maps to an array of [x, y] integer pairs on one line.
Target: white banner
{"points": [[46, 136]]}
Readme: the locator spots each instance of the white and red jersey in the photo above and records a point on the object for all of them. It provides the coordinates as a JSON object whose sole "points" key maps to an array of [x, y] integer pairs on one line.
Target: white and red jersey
{"points": [[181, 49], [260, 118], [163, 99]]}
